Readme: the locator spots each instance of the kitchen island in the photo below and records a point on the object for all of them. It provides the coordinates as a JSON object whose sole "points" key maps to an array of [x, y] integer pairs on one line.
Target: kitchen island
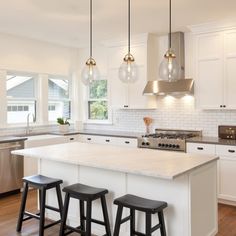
{"points": [[187, 182]]}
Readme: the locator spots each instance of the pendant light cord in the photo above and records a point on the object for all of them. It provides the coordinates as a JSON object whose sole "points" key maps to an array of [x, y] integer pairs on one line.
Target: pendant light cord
{"points": [[129, 26], [91, 28], [170, 18]]}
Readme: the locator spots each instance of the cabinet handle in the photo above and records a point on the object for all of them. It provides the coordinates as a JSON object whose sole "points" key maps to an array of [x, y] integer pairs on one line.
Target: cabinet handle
{"points": [[232, 151], [107, 140], [127, 142], [88, 139], [200, 148], [126, 106], [224, 105], [221, 105], [72, 139]]}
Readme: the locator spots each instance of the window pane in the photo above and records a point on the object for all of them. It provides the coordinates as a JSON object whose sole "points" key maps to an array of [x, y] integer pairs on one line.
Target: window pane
{"points": [[58, 109], [17, 111], [98, 110], [58, 89], [20, 86], [98, 89]]}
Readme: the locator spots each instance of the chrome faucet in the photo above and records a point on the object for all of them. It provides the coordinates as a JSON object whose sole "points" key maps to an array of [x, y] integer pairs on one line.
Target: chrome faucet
{"points": [[28, 130]]}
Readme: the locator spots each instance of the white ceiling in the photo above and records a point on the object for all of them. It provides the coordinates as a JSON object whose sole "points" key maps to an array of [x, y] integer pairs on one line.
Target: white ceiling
{"points": [[66, 21]]}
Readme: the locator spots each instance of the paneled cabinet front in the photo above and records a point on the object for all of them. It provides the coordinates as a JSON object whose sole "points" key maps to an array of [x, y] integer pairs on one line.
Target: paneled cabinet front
{"points": [[216, 70], [226, 167]]}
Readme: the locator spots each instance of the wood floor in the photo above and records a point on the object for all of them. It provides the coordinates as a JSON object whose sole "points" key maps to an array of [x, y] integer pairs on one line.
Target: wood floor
{"points": [[9, 207]]}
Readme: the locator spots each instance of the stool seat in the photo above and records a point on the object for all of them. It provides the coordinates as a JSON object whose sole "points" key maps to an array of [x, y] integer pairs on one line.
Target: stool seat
{"points": [[41, 180], [140, 204], [82, 191], [42, 184]]}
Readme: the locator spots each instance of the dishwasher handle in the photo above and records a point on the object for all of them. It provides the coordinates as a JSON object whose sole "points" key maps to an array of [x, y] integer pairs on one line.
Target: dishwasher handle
{"points": [[11, 146]]}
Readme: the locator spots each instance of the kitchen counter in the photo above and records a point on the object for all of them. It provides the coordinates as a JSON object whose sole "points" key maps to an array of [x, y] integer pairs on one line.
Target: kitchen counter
{"points": [[187, 182], [110, 133], [147, 162], [7, 139], [211, 140]]}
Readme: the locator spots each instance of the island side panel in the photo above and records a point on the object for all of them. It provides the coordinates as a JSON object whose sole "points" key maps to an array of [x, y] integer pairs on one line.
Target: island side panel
{"points": [[69, 173], [203, 195]]}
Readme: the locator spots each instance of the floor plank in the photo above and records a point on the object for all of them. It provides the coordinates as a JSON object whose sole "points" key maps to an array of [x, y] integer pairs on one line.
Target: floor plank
{"points": [[9, 207]]}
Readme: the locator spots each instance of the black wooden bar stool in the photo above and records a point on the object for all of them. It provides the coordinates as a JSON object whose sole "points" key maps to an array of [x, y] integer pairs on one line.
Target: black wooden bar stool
{"points": [[150, 207], [42, 183], [84, 194]]}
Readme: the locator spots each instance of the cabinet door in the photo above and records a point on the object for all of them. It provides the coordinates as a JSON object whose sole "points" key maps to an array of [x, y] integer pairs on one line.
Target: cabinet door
{"points": [[230, 69], [118, 90], [209, 76], [227, 175]]}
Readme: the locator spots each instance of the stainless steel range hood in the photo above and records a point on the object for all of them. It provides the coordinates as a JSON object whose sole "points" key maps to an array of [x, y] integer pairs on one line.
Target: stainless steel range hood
{"points": [[181, 86]]}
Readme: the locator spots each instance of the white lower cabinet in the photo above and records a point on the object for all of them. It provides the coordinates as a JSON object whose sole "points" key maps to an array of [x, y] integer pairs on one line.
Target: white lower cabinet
{"points": [[226, 167], [119, 141], [227, 171]]}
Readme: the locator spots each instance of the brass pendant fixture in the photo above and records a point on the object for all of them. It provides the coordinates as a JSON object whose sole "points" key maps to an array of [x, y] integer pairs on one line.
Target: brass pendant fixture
{"points": [[90, 72], [169, 69], [128, 71]]}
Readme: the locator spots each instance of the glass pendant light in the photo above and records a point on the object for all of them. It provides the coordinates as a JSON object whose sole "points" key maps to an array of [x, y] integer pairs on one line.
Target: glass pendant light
{"points": [[90, 72], [128, 71], [169, 69]]}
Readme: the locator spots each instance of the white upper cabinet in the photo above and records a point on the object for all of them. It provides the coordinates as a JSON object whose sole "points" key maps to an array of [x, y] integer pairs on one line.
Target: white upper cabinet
{"points": [[230, 69], [215, 58], [131, 96]]}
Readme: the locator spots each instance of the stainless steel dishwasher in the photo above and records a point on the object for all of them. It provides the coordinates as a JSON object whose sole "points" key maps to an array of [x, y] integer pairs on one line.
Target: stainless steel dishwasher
{"points": [[11, 167]]}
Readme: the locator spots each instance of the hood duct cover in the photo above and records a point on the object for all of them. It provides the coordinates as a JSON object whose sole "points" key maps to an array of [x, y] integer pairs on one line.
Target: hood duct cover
{"points": [[182, 86]]}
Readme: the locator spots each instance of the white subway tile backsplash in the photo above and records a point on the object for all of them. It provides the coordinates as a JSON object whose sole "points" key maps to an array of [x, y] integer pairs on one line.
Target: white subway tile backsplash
{"points": [[174, 113]]}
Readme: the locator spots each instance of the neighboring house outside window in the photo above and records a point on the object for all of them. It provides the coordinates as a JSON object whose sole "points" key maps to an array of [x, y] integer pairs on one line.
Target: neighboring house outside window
{"points": [[59, 103], [98, 101], [21, 98]]}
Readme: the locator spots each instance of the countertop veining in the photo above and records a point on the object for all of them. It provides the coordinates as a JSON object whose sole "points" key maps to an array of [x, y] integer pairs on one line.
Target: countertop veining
{"points": [[146, 162]]}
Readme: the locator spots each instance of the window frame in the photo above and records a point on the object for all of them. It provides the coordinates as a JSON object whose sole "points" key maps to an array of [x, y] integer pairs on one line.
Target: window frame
{"points": [[33, 99], [69, 99], [107, 99]]}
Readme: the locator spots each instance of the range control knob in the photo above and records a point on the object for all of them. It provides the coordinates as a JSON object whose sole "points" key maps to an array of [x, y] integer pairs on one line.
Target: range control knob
{"points": [[177, 146], [170, 145], [159, 144], [143, 143], [167, 145], [174, 146], [163, 145], [147, 143]]}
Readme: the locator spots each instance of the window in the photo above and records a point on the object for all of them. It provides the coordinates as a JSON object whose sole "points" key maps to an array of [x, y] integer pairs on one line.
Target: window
{"points": [[59, 104], [97, 101], [21, 98]]}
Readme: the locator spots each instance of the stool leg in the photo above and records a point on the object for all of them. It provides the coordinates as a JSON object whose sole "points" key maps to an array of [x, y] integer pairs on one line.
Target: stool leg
{"points": [[42, 211], [148, 224], [162, 222], [88, 218], [81, 209], [64, 214], [22, 208], [132, 222], [59, 199], [105, 215], [118, 221]]}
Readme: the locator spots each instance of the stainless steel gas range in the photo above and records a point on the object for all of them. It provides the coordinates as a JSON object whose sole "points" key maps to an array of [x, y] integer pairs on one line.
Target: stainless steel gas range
{"points": [[167, 139]]}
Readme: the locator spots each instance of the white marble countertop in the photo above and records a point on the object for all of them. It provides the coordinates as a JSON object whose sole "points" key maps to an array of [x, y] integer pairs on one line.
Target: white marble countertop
{"points": [[147, 162]]}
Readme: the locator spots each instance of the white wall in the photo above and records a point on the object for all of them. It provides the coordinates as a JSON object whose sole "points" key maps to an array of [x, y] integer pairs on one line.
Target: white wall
{"points": [[22, 54]]}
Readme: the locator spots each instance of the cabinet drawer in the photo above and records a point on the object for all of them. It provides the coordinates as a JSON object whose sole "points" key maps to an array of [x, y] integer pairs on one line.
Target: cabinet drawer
{"points": [[201, 148], [126, 142], [226, 150]]}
